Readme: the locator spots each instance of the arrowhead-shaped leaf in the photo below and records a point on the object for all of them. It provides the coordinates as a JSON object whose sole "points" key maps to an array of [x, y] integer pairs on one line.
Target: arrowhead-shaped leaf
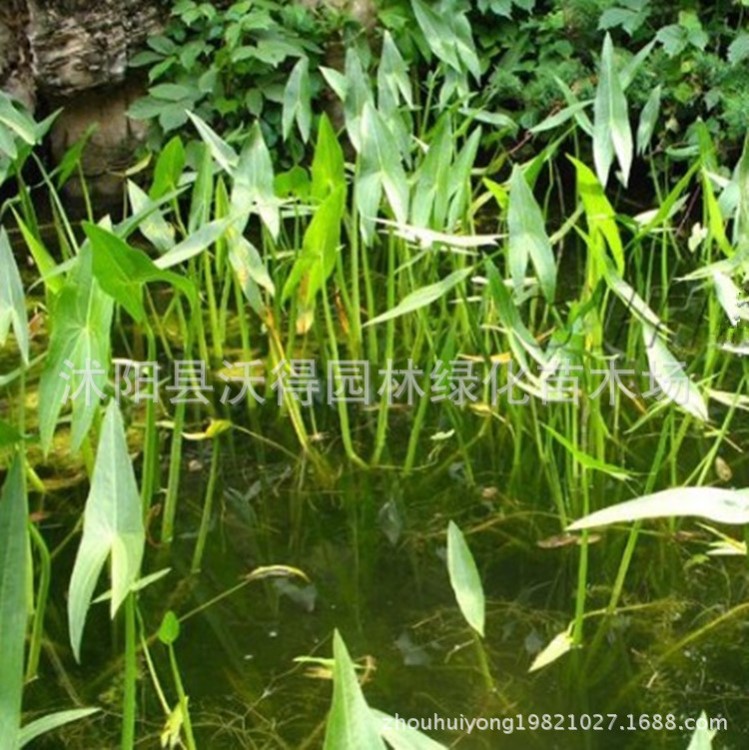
{"points": [[112, 526], [350, 722]]}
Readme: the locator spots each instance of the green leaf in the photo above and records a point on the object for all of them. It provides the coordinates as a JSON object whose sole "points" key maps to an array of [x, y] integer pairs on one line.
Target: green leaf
{"points": [[528, 238], [253, 184], [586, 460], [168, 169], [112, 526], [122, 271], [738, 50], [19, 122], [521, 339], [356, 93], [328, 166], [599, 213], [153, 226], [250, 271], [702, 738], [50, 722], [14, 558], [317, 259], [221, 151], [561, 117], [173, 92], [729, 296], [670, 376], [611, 129], [432, 191], [393, 80], [12, 299], [715, 504], [423, 296], [44, 261], [195, 244], [169, 629], [380, 168], [631, 299], [449, 37], [350, 721], [81, 322], [557, 647], [741, 176], [465, 580], [460, 190], [648, 119], [673, 38], [9, 435], [297, 101]]}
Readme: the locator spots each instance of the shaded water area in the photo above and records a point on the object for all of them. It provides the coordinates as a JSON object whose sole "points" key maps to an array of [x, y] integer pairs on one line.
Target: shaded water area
{"points": [[373, 547], [372, 544]]}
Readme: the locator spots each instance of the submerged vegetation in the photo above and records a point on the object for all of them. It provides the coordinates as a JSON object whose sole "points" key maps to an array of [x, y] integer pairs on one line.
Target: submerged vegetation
{"points": [[357, 379]]}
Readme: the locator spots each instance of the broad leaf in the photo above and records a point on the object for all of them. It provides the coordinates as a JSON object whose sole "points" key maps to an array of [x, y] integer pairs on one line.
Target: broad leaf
{"points": [[112, 526], [528, 238], [250, 271], [221, 151], [648, 119], [153, 226], [715, 504], [13, 602], [122, 271], [319, 251], [380, 169], [12, 299], [296, 101], [599, 212], [350, 721], [464, 578], [328, 167], [611, 130], [253, 184], [78, 350]]}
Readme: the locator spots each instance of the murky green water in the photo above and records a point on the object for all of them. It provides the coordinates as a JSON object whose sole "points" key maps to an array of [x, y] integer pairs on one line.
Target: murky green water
{"points": [[373, 549]]}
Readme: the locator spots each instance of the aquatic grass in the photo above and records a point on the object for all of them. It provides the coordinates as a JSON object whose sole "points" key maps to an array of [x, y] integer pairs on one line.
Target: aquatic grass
{"points": [[433, 240]]}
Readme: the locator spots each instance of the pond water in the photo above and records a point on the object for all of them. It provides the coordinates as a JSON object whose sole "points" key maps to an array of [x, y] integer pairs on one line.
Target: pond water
{"points": [[373, 548]]}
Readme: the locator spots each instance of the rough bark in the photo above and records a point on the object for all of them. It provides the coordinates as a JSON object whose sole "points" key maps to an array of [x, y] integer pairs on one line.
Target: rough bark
{"points": [[73, 54], [59, 48]]}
